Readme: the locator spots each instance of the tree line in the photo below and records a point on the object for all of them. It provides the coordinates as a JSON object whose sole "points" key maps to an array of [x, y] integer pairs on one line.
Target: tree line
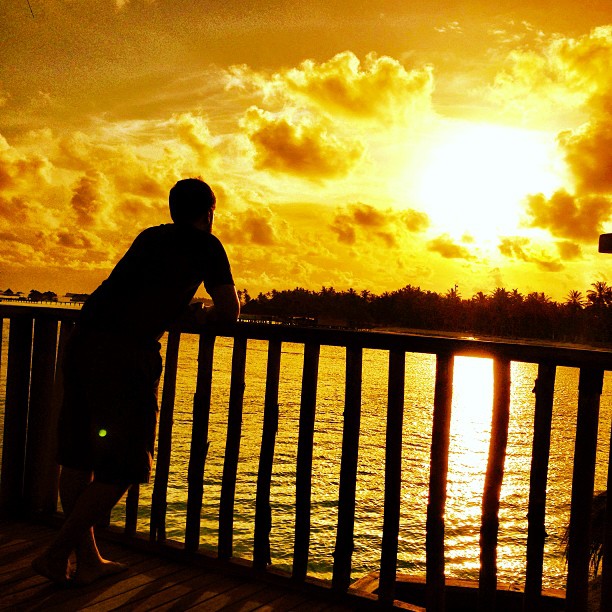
{"points": [[580, 318]]}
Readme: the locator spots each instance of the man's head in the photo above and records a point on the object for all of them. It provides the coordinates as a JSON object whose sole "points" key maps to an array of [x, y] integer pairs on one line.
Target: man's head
{"points": [[192, 202]]}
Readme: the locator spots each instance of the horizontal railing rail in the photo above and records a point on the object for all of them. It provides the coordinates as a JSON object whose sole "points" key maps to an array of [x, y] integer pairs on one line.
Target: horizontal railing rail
{"points": [[28, 478]]}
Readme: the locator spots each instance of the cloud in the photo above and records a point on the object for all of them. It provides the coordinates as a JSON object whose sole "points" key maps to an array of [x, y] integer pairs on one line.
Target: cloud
{"points": [[415, 220], [520, 248], [303, 148], [385, 224], [252, 226], [588, 153], [193, 131], [447, 248], [569, 250], [451, 26], [562, 70], [379, 88], [86, 201], [567, 216]]}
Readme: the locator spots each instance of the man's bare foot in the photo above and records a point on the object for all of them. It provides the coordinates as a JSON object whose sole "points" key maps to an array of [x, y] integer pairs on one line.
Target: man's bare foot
{"points": [[54, 569], [86, 574]]}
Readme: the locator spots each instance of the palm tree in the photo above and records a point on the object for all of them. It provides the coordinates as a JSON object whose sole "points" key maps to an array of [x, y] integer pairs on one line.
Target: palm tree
{"points": [[601, 294], [575, 300]]}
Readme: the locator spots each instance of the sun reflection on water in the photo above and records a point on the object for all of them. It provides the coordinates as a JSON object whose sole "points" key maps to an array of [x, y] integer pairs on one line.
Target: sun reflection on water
{"points": [[469, 446]]}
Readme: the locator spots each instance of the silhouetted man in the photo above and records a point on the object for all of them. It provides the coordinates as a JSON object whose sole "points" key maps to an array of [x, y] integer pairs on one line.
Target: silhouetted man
{"points": [[112, 366]]}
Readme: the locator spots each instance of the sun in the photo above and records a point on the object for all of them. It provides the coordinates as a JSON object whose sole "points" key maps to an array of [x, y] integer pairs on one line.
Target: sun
{"points": [[473, 177]]}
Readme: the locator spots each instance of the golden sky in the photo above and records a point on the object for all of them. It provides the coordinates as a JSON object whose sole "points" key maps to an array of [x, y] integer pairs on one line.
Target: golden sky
{"points": [[351, 144]]}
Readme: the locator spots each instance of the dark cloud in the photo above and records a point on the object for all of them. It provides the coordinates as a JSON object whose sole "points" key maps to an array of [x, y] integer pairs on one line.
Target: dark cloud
{"points": [[385, 224], [447, 248], [249, 227], [588, 153], [304, 149], [85, 200], [569, 250], [415, 220], [521, 248], [567, 216], [14, 209], [74, 239]]}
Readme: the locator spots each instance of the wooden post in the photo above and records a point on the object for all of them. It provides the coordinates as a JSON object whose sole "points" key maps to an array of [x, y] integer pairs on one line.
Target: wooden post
{"points": [[199, 441], [393, 477], [438, 473], [583, 482], [15, 415], [131, 509], [263, 511], [606, 565], [341, 577], [303, 476], [164, 441], [487, 585], [536, 532], [232, 450], [40, 461]]}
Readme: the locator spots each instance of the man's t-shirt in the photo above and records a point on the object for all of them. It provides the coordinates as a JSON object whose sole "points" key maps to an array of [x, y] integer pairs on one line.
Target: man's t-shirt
{"points": [[154, 282]]}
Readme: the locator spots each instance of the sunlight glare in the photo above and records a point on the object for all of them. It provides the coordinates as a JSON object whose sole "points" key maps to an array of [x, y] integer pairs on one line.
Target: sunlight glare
{"points": [[475, 176], [472, 391]]}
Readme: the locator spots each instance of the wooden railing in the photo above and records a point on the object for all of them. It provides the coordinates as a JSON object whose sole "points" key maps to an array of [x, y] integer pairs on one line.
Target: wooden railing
{"points": [[33, 394]]}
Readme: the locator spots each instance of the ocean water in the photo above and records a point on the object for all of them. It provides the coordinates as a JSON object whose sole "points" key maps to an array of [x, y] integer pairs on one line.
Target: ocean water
{"points": [[470, 430]]}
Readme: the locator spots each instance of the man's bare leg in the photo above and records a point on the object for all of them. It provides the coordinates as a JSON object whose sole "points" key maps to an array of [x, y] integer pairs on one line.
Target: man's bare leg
{"points": [[92, 505]]}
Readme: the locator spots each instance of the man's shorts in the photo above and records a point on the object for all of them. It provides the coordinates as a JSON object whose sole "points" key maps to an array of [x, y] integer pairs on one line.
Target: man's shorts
{"points": [[108, 419]]}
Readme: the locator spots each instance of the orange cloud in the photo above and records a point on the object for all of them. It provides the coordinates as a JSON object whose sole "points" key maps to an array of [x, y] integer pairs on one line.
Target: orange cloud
{"points": [[588, 153], [386, 224], [562, 70], [257, 227], [569, 250], [379, 88], [305, 149], [447, 248], [520, 248], [568, 216], [86, 201]]}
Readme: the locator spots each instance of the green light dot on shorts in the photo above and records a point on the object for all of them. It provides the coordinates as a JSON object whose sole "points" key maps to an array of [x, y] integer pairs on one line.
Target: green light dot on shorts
{"points": [[102, 433]]}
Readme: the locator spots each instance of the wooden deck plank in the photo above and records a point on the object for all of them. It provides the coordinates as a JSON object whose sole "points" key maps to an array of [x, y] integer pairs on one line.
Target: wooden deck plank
{"points": [[154, 597], [199, 594], [222, 601], [101, 595], [284, 603], [165, 594], [259, 601], [150, 583]]}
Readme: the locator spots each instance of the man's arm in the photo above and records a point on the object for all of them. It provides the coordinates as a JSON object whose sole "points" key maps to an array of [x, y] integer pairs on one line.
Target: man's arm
{"points": [[226, 306]]}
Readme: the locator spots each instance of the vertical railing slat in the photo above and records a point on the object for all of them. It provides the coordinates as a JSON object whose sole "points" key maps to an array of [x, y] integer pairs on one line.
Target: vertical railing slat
{"points": [[40, 463], [487, 584], [164, 440], [131, 509], [15, 415], [232, 450], [263, 511], [303, 476], [341, 577], [199, 441], [66, 328], [583, 482], [393, 476], [536, 531], [440, 440], [606, 565]]}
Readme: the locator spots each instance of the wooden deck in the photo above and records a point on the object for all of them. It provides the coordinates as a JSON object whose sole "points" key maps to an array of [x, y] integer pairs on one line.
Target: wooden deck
{"points": [[150, 583]]}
